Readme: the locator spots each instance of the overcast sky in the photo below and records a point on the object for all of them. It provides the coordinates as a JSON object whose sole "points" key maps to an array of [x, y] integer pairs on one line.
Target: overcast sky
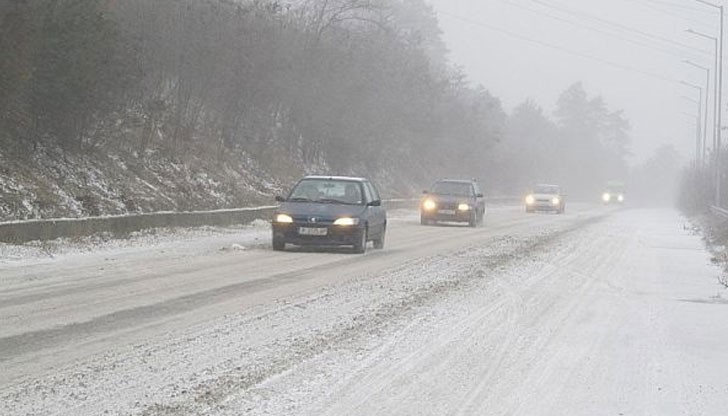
{"points": [[628, 51]]}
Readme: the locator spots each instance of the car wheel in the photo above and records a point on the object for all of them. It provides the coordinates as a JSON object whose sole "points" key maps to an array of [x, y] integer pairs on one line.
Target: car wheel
{"points": [[278, 244], [424, 221], [473, 221], [379, 242], [360, 246]]}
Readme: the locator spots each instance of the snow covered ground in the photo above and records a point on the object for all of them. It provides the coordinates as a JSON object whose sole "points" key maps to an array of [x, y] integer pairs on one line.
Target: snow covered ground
{"points": [[597, 312], [179, 240]]}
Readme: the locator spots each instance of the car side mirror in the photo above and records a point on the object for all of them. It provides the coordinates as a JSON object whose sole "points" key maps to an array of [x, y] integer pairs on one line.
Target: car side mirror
{"points": [[479, 195], [377, 203], [280, 199], [425, 192]]}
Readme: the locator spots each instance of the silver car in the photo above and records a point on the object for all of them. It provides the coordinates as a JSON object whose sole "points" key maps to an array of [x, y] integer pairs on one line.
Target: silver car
{"points": [[546, 198]]}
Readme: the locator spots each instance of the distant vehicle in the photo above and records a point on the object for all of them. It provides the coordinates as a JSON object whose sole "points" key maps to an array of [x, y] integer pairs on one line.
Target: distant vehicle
{"points": [[546, 198], [330, 211], [613, 193], [453, 200]]}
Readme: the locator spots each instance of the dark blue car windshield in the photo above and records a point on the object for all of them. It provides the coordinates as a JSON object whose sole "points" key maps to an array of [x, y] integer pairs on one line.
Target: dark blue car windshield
{"points": [[328, 191], [452, 188]]}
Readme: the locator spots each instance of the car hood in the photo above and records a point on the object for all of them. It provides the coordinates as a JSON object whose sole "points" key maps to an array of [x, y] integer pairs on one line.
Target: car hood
{"points": [[448, 198], [545, 196], [319, 210]]}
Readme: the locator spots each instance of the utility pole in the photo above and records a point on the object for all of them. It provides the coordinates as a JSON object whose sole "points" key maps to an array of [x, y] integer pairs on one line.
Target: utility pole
{"points": [[705, 112], [716, 93], [719, 99], [696, 118], [699, 103]]}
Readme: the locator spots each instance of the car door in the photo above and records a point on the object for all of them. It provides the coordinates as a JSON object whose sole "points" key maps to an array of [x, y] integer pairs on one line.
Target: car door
{"points": [[479, 199], [377, 214]]}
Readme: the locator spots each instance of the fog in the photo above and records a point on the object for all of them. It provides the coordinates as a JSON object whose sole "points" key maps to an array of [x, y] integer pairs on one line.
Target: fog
{"points": [[134, 106], [628, 51], [360, 207]]}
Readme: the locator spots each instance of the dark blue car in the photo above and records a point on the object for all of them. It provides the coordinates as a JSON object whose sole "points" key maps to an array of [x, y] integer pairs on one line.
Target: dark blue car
{"points": [[453, 200], [330, 211]]}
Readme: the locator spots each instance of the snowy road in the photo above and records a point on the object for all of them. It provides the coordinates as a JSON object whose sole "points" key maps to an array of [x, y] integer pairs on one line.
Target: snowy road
{"points": [[597, 312]]}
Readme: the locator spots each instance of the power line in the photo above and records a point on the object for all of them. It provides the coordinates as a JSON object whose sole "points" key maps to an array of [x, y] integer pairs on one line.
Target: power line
{"points": [[559, 48], [675, 5], [670, 51], [674, 14], [563, 9]]}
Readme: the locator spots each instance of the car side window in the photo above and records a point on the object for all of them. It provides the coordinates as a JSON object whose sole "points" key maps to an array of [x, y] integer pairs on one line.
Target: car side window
{"points": [[367, 192], [373, 191]]}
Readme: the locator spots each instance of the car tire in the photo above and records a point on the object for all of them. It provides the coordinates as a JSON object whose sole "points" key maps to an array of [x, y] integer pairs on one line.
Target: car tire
{"points": [[379, 242], [424, 221], [473, 221], [360, 246], [278, 244]]}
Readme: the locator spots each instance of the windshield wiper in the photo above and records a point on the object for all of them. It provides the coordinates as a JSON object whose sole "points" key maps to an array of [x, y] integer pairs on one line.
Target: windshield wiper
{"points": [[299, 199], [335, 201]]}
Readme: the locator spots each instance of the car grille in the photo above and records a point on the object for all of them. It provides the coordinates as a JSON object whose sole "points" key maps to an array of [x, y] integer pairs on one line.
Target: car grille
{"points": [[313, 220]]}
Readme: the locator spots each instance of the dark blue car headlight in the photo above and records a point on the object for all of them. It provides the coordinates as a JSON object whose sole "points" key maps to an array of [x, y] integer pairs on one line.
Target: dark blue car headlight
{"points": [[347, 221]]}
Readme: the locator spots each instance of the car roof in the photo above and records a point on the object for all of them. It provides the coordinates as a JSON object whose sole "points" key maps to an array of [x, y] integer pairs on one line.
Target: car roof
{"points": [[336, 178]]}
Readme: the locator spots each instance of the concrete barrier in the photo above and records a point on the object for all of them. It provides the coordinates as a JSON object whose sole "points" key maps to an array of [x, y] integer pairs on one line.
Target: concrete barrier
{"points": [[19, 232]]}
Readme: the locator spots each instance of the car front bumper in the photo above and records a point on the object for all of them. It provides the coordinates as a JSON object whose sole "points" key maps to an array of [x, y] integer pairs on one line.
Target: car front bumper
{"points": [[336, 235], [543, 206], [456, 216]]}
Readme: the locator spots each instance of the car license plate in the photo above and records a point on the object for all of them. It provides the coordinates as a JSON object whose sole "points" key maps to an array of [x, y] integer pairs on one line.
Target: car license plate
{"points": [[447, 211], [312, 231]]}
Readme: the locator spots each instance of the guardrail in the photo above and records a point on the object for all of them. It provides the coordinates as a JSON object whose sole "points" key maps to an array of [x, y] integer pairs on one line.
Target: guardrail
{"points": [[718, 211], [19, 232]]}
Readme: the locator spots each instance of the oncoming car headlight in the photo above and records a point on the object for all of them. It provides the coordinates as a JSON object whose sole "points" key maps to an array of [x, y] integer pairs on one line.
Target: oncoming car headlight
{"points": [[606, 197], [429, 205], [530, 200], [347, 221], [620, 198], [463, 207], [283, 219], [555, 200]]}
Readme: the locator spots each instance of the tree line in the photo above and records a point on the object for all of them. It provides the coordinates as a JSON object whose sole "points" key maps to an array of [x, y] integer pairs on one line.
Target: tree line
{"points": [[345, 86]]}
